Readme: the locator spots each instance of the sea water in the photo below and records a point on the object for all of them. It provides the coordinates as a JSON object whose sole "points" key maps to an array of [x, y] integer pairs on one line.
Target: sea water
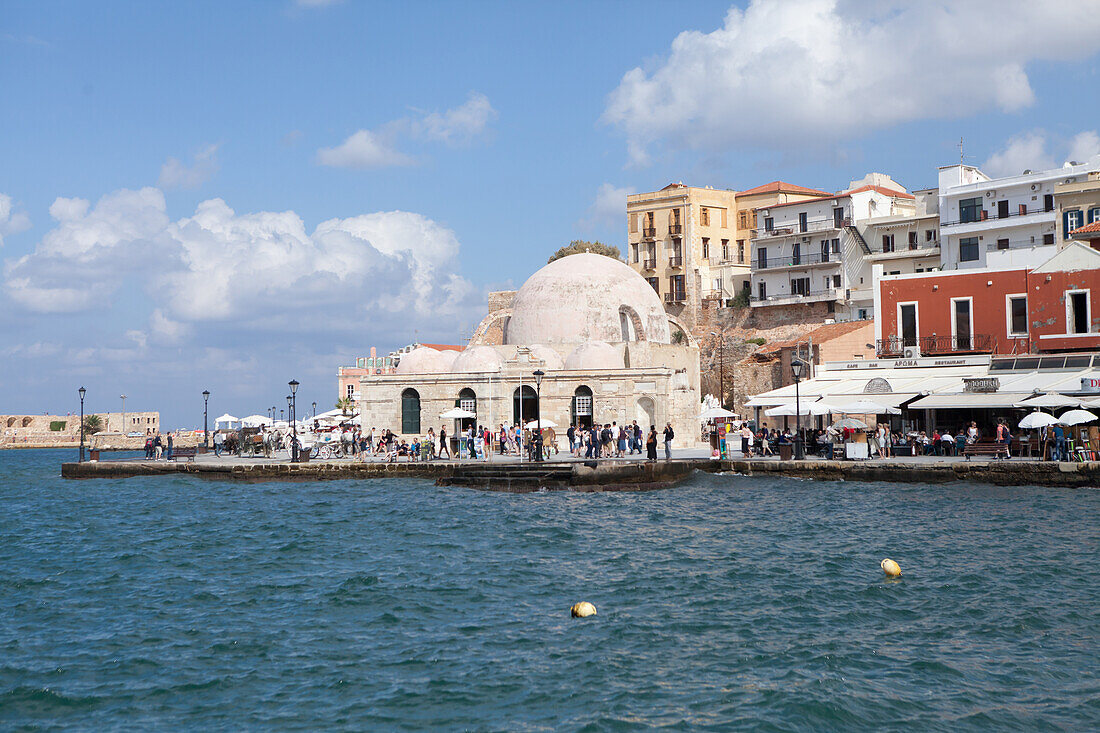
{"points": [[724, 603]]}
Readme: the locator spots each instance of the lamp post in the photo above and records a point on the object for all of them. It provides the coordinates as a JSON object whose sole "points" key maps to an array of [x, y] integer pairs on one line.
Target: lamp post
{"points": [[293, 420], [122, 429], [721, 369], [797, 365], [314, 410], [82, 391], [205, 408], [539, 374]]}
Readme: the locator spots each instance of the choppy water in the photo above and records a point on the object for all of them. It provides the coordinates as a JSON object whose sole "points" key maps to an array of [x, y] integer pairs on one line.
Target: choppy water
{"points": [[725, 603]]}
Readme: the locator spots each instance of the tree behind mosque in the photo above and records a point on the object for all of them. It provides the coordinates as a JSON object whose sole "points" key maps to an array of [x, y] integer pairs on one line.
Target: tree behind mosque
{"points": [[579, 246]]}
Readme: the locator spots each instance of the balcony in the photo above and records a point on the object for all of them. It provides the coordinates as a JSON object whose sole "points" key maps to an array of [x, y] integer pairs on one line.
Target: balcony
{"points": [[649, 263], [675, 261], [818, 225], [920, 249], [802, 260], [675, 230], [979, 343], [674, 297], [649, 232], [813, 296]]}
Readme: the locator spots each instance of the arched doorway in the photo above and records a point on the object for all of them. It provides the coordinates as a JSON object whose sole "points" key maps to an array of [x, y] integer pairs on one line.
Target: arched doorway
{"points": [[645, 412], [582, 407], [467, 400], [525, 408], [410, 412]]}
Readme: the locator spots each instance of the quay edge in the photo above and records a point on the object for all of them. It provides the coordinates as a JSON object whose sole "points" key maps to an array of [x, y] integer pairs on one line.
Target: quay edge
{"points": [[609, 475]]}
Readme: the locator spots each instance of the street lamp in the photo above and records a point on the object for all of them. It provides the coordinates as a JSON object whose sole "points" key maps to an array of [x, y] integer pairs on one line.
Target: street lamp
{"points": [[82, 391], [539, 374], [123, 428], [721, 369], [314, 410], [797, 365], [205, 408], [293, 427]]}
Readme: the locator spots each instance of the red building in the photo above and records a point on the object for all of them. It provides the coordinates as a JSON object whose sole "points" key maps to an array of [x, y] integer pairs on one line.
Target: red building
{"points": [[1053, 307]]}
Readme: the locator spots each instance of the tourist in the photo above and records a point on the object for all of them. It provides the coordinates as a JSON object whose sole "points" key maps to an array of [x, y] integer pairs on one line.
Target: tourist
{"points": [[972, 433], [621, 439], [825, 440], [765, 440], [431, 444], [638, 437], [443, 443], [1060, 453], [593, 448], [651, 444], [168, 452], [669, 435], [746, 440], [219, 441], [571, 434], [1004, 437], [148, 447]]}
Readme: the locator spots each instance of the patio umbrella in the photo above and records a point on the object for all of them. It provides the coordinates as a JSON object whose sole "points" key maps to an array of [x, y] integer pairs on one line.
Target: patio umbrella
{"points": [[1076, 417], [1037, 420], [850, 423], [866, 407], [1049, 400], [715, 412], [255, 421], [457, 413], [534, 424]]}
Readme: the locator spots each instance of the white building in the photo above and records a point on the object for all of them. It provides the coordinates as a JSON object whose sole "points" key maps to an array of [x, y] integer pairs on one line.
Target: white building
{"points": [[814, 251], [908, 243], [1001, 223]]}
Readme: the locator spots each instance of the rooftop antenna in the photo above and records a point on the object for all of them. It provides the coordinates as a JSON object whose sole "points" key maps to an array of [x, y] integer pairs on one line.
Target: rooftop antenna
{"points": [[960, 151]]}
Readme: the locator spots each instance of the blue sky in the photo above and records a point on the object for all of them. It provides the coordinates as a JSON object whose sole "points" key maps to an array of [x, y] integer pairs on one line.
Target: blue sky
{"points": [[228, 195]]}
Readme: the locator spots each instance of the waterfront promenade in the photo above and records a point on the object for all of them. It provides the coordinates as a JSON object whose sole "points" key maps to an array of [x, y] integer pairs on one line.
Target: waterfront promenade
{"points": [[634, 473]]}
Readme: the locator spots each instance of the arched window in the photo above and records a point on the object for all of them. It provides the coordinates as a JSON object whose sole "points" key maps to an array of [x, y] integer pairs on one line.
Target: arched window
{"points": [[631, 324], [410, 412], [11, 422], [26, 422], [525, 408], [582, 406], [467, 400]]}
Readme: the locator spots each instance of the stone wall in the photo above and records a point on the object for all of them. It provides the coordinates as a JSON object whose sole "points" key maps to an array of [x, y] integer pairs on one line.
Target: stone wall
{"points": [[33, 431]]}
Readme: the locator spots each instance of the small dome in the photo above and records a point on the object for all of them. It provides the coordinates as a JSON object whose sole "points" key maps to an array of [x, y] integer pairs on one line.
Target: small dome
{"points": [[447, 360], [545, 353], [477, 359], [594, 356], [586, 297], [422, 360]]}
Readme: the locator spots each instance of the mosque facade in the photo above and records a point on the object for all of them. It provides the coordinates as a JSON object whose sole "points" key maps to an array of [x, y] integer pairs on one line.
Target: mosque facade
{"points": [[593, 325]]}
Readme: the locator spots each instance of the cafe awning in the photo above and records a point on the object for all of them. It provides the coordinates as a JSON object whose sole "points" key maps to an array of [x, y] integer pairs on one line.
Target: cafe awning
{"points": [[975, 401]]}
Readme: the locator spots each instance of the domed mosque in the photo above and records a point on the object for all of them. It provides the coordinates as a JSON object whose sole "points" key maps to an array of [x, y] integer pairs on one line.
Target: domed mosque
{"points": [[595, 328]]}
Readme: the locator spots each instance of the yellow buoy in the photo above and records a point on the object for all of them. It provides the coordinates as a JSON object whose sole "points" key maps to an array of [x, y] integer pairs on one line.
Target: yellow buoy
{"points": [[891, 568], [582, 610]]}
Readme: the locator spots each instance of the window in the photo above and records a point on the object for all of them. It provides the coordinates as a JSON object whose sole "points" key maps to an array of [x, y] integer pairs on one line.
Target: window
{"points": [[968, 249], [802, 222], [1048, 202], [970, 210], [634, 252], [582, 406], [1077, 311], [706, 248], [1002, 244], [836, 281], [1072, 220], [912, 240], [863, 314], [762, 290], [961, 331], [1017, 315], [743, 220], [633, 222], [725, 250], [723, 218], [467, 400], [741, 251], [1048, 238], [1094, 215], [800, 286], [796, 253], [769, 223], [838, 217], [676, 286], [718, 284], [762, 257], [704, 216], [887, 242], [836, 246], [350, 391], [824, 250], [907, 323], [1002, 209], [929, 235], [655, 282]]}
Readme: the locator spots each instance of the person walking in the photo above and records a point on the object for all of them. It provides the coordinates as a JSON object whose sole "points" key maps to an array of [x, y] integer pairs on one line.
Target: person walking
{"points": [[443, 443], [168, 453], [158, 447], [651, 444], [219, 441], [669, 435]]}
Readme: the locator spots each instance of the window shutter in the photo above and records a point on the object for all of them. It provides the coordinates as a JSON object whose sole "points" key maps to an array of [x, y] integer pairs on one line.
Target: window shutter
{"points": [[1065, 225]]}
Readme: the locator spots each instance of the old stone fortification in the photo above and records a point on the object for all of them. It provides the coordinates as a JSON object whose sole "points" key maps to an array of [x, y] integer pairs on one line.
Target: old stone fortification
{"points": [[63, 431]]}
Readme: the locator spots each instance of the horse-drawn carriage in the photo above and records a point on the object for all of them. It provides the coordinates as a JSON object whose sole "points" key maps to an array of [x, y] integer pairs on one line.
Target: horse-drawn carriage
{"points": [[254, 442]]}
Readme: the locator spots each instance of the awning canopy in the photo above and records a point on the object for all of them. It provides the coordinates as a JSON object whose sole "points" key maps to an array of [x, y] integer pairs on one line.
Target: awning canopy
{"points": [[977, 401]]}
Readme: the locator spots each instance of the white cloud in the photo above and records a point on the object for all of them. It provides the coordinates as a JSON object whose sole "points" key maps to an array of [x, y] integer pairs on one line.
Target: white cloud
{"points": [[217, 265], [1033, 150], [364, 149], [11, 221], [379, 148], [608, 208], [784, 71], [174, 174]]}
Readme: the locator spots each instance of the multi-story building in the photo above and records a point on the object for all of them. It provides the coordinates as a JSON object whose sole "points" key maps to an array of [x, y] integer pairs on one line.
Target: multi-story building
{"points": [[1052, 307], [1003, 223], [813, 251], [1076, 205], [676, 239], [907, 243]]}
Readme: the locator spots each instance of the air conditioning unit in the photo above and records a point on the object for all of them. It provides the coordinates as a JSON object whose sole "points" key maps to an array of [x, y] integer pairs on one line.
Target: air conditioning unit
{"points": [[1035, 187], [912, 352], [990, 194]]}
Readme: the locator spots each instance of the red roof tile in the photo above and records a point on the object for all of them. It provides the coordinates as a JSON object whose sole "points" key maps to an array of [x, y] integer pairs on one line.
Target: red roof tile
{"points": [[444, 347], [1093, 228], [845, 194], [782, 187]]}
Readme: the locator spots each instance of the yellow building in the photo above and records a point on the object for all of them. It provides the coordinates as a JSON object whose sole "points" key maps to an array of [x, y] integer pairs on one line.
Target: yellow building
{"points": [[1077, 205]]}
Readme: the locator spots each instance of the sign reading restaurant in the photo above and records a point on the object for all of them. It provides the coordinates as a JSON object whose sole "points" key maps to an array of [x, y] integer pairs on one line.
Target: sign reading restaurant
{"points": [[948, 361]]}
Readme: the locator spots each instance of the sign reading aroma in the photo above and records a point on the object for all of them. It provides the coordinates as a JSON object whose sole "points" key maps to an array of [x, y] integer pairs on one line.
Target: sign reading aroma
{"points": [[1090, 383], [981, 384]]}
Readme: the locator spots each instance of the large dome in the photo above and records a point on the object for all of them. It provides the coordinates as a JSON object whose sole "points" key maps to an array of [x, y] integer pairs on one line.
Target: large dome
{"points": [[424, 360], [477, 359], [586, 297]]}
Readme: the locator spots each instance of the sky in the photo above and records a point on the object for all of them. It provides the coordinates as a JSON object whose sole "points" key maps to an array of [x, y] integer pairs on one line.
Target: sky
{"points": [[228, 196]]}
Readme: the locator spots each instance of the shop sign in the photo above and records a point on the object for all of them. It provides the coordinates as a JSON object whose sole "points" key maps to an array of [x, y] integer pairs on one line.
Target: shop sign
{"points": [[981, 384], [1090, 384]]}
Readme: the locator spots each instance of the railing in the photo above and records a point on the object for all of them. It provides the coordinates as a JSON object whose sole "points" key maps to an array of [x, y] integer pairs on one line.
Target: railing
{"points": [[907, 247], [979, 343], [649, 263], [674, 297], [676, 261], [810, 258], [1013, 244], [830, 292], [817, 225], [649, 232], [987, 215], [675, 229]]}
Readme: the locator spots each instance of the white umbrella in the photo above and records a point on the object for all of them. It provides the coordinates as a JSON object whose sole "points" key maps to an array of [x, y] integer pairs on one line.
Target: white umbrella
{"points": [[255, 421], [715, 412], [1049, 400], [1076, 417], [534, 424], [806, 408], [866, 407], [1037, 420], [850, 422], [457, 413]]}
